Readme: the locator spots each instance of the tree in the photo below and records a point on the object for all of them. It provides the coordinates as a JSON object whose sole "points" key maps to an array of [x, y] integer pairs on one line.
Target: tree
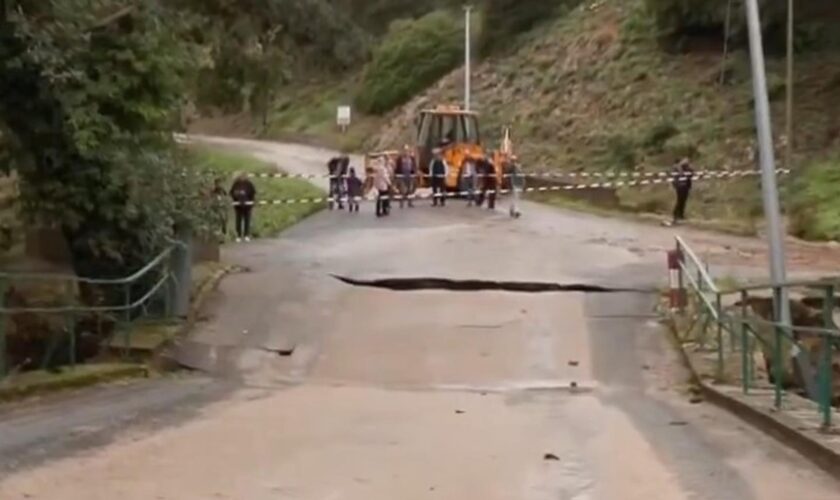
{"points": [[91, 91], [413, 56], [254, 47]]}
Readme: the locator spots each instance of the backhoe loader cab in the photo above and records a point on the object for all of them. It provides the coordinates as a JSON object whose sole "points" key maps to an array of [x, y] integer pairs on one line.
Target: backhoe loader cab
{"points": [[452, 129]]}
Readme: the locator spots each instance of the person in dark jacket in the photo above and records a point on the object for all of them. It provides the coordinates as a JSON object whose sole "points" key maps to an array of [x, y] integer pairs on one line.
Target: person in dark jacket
{"points": [[439, 171], [354, 191], [682, 177], [244, 194], [489, 183], [334, 168]]}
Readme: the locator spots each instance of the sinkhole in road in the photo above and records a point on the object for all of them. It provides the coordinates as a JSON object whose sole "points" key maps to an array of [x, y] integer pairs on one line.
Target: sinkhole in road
{"points": [[468, 285]]}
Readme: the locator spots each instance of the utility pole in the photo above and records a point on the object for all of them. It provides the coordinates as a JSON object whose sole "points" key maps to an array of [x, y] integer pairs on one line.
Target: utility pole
{"points": [[467, 56], [789, 105], [770, 192]]}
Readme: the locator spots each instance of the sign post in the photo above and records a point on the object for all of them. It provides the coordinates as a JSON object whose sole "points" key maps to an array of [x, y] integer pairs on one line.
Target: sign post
{"points": [[343, 118], [467, 57]]}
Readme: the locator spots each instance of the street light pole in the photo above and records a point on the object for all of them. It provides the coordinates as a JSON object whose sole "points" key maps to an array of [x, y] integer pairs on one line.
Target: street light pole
{"points": [[467, 56], [770, 192], [789, 104]]}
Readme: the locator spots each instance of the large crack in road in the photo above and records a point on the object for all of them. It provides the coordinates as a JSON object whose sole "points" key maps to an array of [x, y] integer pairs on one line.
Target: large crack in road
{"points": [[468, 285]]}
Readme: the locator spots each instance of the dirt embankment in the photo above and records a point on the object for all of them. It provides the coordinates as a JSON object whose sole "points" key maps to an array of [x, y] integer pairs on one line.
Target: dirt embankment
{"points": [[594, 91]]}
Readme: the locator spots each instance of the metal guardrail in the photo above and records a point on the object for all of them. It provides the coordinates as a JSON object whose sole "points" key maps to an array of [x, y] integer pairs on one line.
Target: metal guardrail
{"points": [[157, 279], [713, 306]]}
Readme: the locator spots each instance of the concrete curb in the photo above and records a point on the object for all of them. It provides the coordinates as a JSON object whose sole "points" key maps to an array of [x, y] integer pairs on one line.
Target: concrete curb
{"points": [[770, 422], [160, 358]]}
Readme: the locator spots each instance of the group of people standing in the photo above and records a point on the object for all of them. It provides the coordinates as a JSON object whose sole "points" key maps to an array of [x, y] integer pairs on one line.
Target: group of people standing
{"points": [[396, 179]]}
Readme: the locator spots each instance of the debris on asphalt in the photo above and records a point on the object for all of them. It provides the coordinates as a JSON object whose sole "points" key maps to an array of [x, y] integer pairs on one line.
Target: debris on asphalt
{"points": [[459, 412], [573, 363], [678, 423], [550, 456]]}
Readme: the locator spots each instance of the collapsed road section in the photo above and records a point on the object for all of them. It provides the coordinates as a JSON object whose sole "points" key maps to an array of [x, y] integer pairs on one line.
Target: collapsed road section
{"points": [[418, 284]]}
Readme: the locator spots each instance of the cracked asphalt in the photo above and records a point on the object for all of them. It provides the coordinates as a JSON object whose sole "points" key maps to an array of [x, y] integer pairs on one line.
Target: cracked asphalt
{"points": [[311, 388]]}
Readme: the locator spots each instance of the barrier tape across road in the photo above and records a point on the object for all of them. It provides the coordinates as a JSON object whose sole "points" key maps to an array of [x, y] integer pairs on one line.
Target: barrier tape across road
{"points": [[702, 176], [544, 175]]}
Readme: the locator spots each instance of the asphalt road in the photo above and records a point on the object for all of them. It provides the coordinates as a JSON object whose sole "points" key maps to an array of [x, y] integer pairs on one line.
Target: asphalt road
{"points": [[316, 389]]}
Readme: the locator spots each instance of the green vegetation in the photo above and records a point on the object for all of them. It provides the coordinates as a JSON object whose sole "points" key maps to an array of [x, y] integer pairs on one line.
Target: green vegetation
{"points": [[268, 220], [89, 93], [505, 20], [251, 49], [412, 56], [307, 113], [376, 16], [815, 201], [9, 218], [680, 20], [40, 382]]}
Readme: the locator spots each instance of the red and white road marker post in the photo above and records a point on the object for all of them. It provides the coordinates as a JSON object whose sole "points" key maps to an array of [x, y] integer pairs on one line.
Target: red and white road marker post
{"points": [[676, 294]]}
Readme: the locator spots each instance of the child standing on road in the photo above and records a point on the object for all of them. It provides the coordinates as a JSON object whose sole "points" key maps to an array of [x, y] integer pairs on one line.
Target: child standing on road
{"points": [[354, 191]]}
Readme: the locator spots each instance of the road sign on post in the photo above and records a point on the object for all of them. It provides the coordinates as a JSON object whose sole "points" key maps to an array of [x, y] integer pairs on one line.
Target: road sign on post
{"points": [[343, 117]]}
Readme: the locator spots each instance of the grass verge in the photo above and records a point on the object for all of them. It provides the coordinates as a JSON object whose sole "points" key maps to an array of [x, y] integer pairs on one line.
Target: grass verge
{"points": [[39, 382], [268, 220], [307, 114], [733, 227]]}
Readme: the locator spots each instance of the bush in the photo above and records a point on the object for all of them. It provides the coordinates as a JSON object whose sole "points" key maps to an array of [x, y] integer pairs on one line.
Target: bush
{"points": [[681, 146], [677, 19], [659, 134], [505, 19], [412, 56], [815, 202], [620, 153]]}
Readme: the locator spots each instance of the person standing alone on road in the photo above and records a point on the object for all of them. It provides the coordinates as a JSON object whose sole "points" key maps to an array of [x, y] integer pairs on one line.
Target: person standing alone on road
{"points": [[439, 171], [243, 194], [682, 176]]}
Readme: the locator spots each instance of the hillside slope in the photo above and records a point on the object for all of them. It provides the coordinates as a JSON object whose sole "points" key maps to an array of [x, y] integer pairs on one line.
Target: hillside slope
{"points": [[594, 90]]}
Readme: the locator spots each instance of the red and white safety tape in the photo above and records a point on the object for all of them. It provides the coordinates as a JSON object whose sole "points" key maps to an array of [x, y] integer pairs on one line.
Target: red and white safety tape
{"points": [[703, 176], [545, 175]]}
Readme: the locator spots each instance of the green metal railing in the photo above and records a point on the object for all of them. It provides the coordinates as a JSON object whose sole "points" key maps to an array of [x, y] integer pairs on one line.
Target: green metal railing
{"points": [[155, 280], [729, 312]]}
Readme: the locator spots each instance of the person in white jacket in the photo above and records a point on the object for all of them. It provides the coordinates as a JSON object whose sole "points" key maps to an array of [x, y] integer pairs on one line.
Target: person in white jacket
{"points": [[382, 184]]}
